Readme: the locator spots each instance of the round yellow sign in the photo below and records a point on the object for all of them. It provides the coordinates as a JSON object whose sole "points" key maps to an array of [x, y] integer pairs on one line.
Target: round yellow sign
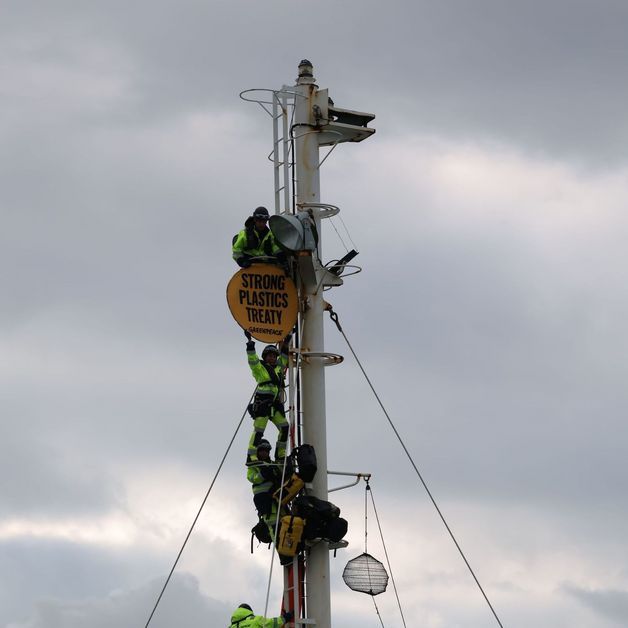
{"points": [[263, 302]]}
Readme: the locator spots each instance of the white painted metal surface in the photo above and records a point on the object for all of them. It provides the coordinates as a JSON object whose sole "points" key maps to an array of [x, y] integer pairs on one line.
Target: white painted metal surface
{"points": [[313, 373]]}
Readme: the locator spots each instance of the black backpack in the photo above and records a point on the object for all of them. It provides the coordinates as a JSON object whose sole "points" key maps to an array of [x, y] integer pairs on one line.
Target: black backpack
{"points": [[261, 532], [322, 518], [336, 529], [305, 457]]}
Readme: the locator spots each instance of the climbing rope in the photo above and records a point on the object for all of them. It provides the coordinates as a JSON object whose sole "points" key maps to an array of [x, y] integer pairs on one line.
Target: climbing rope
{"points": [[334, 318], [198, 514]]}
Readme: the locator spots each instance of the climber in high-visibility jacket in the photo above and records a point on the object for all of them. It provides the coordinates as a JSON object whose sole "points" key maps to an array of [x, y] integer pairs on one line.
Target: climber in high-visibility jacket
{"points": [[243, 617], [265, 477], [269, 395], [256, 240]]}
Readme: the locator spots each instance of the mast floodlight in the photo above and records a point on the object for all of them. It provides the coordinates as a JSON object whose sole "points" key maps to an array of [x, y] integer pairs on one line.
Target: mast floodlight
{"points": [[294, 232], [366, 575]]}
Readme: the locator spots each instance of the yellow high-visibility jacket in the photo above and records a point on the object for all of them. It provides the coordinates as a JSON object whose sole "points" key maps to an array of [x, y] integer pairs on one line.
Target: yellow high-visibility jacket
{"points": [[244, 618]]}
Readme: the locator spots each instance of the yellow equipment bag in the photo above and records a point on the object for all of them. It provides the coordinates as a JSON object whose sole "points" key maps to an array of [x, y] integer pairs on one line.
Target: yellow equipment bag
{"points": [[290, 489], [290, 535]]}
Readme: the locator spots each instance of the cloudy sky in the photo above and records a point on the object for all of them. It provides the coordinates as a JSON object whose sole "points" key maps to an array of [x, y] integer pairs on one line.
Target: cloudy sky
{"points": [[490, 214]]}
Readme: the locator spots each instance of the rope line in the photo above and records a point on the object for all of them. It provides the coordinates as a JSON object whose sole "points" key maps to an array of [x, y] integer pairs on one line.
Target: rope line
{"points": [[381, 534], [338, 234], [377, 611], [368, 566], [334, 318], [366, 511], [198, 514], [347, 231], [283, 477]]}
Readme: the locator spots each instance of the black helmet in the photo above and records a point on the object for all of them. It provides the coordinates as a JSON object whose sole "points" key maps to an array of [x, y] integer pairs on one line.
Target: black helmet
{"points": [[248, 608], [269, 349], [261, 212], [264, 444]]}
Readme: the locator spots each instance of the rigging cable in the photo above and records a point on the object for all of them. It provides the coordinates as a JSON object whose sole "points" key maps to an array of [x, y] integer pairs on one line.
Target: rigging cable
{"points": [[334, 318], [377, 611], [368, 571], [198, 514], [381, 534], [347, 230], [331, 221]]}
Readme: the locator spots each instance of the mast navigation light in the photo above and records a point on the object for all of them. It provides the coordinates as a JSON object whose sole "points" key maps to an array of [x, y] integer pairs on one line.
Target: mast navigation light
{"points": [[306, 68]]}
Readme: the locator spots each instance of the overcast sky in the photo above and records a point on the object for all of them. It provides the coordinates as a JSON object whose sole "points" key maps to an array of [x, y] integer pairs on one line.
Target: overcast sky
{"points": [[489, 210]]}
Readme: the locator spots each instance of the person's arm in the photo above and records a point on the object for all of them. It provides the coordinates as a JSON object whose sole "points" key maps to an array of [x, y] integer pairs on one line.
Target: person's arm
{"points": [[238, 250], [274, 622], [253, 475], [258, 371], [284, 351]]}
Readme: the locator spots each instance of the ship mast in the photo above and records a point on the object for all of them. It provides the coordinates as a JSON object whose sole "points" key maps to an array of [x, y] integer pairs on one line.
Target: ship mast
{"points": [[316, 123], [306, 148]]}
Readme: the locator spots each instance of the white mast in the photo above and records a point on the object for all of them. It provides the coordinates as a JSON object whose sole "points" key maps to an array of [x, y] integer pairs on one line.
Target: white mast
{"points": [[312, 369], [317, 122]]}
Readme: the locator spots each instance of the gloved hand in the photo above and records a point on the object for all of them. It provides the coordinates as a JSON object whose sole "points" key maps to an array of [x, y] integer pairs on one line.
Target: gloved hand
{"points": [[250, 346], [287, 616], [244, 261]]}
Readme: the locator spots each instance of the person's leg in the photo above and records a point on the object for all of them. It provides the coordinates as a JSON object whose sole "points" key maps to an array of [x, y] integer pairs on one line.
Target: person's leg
{"points": [[259, 425], [281, 423]]}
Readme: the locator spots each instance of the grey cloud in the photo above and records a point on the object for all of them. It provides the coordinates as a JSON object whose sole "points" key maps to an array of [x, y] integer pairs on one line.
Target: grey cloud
{"points": [[185, 606], [453, 69], [127, 165], [33, 570], [39, 476], [609, 603]]}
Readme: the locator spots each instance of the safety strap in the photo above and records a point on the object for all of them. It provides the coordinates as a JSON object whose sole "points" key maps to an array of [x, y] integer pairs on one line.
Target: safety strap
{"points": [[252, 241], [272, 373], [237, 623]]}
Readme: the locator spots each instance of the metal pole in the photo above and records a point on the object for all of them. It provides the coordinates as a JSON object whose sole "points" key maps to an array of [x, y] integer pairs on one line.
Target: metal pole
{"points": [[276, 115], [313, 376]]}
